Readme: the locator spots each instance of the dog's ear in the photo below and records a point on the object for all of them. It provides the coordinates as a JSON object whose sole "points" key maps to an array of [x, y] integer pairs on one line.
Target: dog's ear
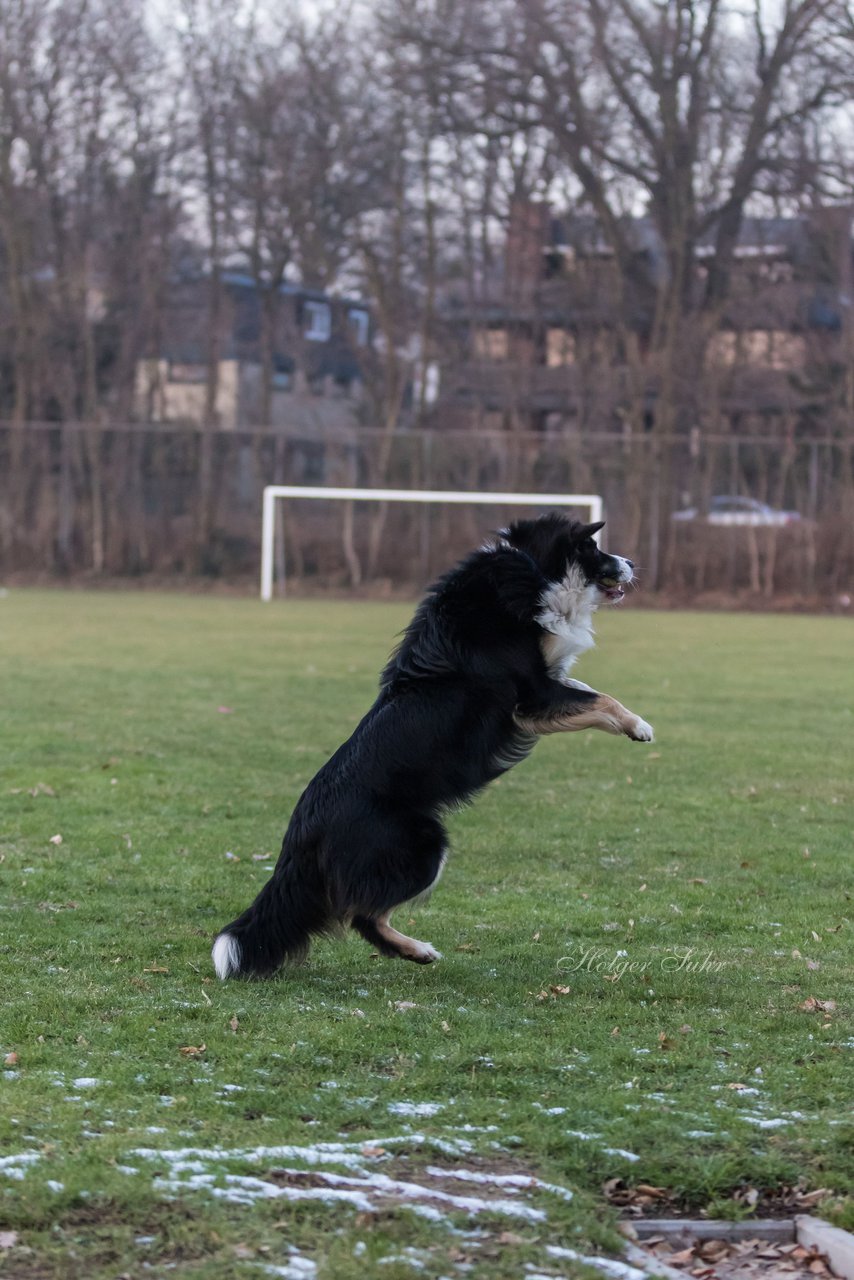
{"points": [[588, 530]]}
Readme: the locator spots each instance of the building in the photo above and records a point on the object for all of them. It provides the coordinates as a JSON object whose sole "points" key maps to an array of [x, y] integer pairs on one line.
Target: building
{"points": [[317, 341], [556, 342]]}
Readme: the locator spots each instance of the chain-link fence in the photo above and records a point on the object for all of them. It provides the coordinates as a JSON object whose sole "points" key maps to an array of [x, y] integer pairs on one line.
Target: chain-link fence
{"points": [[77, 499]]}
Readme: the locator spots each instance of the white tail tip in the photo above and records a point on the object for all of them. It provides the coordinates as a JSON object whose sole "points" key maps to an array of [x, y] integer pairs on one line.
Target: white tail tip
{"points": [[226, 955]]}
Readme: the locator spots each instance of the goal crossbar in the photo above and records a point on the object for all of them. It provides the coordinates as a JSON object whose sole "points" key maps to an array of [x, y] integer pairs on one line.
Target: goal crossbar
{"points": [[320, 492]]}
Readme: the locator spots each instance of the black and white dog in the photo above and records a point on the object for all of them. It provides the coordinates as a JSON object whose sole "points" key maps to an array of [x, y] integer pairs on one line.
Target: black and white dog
{"points": [[481, 673]]}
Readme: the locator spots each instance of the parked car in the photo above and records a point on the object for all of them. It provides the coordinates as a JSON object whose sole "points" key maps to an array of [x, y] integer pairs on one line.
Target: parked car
{"points": [[725, 509]]}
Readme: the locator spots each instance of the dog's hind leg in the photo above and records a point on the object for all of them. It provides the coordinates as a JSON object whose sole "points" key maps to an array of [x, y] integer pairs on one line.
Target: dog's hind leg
{"points": [[410, 874], [389, 942]]}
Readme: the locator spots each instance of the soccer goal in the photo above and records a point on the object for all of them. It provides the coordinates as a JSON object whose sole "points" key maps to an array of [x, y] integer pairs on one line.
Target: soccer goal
{"points": [[290, 492]]}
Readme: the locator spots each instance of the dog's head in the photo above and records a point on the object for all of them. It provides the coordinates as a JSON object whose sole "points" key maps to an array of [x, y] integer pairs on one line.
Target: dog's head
{"points": [[565, 551]]}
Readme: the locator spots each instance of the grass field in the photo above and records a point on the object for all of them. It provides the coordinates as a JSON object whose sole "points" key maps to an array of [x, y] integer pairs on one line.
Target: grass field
{"points": [[634, 943]]}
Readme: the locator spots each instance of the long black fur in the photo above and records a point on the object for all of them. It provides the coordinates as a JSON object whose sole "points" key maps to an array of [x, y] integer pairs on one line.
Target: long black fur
{"points": [[367, 832]]}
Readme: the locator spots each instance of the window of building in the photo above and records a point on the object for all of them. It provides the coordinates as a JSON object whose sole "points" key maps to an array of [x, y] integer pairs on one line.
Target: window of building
{"points": [[492, 344], [560, 348], [360, 324], [188, 372], [316, 321]]}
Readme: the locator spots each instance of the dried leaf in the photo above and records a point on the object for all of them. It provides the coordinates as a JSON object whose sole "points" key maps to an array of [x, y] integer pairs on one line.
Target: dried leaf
{"points": [[560, 991], [812, 1198], [812, 1005], [11, 1059], [681, 1258], [193, 1050], [57, 839]]}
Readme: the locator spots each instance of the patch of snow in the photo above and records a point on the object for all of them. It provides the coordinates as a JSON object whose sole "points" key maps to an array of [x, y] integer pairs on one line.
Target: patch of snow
{"points": [[362, 1187], [296, 1269], [415, 1108], [513, 1180], [85, 1082], [426, 1211], [15, 1166], [409, 1257]]}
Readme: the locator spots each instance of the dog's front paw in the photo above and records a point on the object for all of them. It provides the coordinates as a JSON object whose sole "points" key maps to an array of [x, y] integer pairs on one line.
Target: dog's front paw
{"points": [[640, 731]]}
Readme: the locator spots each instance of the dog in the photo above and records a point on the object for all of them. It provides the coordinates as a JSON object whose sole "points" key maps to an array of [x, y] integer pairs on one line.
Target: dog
{"points": [[481, 673]]}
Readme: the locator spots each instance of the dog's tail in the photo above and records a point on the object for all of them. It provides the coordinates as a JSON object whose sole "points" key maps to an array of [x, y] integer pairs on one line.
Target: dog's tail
{"points": [[276, 927]]}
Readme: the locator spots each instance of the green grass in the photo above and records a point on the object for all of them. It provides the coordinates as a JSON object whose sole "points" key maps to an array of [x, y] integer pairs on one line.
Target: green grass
{"points": [[729, 839]]}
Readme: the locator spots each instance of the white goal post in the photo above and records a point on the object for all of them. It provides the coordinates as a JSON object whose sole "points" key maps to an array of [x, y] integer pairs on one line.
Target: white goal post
{"points": [[274, 491]]}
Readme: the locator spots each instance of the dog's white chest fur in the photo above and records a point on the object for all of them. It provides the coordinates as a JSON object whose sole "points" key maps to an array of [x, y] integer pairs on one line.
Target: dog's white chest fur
{"points": [[566, 614]]}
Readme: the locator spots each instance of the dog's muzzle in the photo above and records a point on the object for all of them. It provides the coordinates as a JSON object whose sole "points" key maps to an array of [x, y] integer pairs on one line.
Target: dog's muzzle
{"points": [[612, 587]]}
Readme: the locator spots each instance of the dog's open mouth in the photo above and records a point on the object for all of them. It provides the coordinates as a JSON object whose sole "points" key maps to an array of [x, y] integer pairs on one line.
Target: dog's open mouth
{"points": [[612, 588]]}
